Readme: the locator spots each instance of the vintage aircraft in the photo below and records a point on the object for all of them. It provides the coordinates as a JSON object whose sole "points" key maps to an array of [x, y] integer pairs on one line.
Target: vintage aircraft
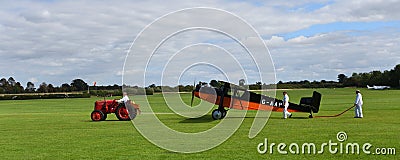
{"points": [[231, 96], [378, 87]]}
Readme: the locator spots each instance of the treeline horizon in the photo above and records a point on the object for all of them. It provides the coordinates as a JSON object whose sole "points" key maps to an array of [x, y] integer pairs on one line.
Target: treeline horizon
{"points": [[385, 78], [11, 86]]}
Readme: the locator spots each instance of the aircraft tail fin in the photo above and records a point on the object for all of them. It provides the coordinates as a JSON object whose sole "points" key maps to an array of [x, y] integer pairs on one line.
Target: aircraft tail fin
{"points": [[312, 102], [316, 101]]}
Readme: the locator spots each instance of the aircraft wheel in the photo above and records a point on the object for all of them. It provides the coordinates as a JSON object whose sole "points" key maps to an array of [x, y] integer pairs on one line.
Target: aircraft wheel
{"points": [[216, 114]]}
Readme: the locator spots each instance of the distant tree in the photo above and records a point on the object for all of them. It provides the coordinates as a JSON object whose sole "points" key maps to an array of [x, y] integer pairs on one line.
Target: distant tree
{"points": [[394, 75], [43, 88], [50, 88], [3, 82], [187, 88], [79, 85], [322, 83], [65, 87], [116, 86], [375, 78], [242, 82], [30, 87], [152, 86], [17, 88], [342, 78], [390, 78], [11, 81], [3, 85], [356, 79], [10, 86]]}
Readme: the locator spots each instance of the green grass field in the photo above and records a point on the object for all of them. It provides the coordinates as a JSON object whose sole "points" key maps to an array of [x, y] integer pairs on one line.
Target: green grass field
{"points": [[62, 129]]}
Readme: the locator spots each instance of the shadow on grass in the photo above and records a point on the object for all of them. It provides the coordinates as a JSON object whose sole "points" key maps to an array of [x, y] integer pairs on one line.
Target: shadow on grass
{"points": [[289, 118], [203, 119], [207, 118], [112, 120], [252, 117]]}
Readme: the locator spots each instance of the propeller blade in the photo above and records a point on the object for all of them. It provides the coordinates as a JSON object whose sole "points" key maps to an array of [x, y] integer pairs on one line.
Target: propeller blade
{"points": [[194, 83], [191, 102]]}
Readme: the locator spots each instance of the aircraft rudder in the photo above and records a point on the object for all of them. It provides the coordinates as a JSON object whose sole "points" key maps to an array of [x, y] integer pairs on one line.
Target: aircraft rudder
{"points": [[316, 101]]}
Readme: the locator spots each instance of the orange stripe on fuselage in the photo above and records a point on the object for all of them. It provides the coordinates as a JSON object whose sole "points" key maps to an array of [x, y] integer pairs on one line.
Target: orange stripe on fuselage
{"points": [[238, 103]]}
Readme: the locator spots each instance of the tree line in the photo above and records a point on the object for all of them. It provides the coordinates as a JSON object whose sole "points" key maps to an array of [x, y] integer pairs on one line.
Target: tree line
{"points": [[11, 86], [385, 78], [180, 88]]}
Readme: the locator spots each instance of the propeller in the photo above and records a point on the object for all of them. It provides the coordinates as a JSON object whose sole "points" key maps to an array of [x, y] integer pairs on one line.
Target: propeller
{"points": [[191, 102]]}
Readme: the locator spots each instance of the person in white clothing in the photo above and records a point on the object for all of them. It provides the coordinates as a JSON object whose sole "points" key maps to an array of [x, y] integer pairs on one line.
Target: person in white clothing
{"points": [[124, 99], [286, 105], [129, 104], [358, 104]]}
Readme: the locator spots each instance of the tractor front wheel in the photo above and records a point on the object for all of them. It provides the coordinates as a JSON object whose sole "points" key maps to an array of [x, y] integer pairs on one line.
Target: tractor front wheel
{"points": [[97, 115], [122, 113]]}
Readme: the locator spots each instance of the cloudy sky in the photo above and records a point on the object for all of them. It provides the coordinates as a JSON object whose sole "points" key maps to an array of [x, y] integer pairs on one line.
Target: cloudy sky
{"points": [[56, 41]]}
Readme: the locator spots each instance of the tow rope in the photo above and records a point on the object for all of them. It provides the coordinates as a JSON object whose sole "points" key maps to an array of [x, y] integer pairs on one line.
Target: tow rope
{"points": [[334, 115]]}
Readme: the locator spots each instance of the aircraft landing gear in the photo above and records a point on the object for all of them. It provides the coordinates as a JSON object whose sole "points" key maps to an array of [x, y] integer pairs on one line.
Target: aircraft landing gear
{"points": [[218, 114], [223, 113], [310, 116]]}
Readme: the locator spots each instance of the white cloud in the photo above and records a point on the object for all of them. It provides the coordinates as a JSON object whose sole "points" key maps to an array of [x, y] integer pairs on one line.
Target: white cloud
{"points": [[33, 80], [325, 56]]}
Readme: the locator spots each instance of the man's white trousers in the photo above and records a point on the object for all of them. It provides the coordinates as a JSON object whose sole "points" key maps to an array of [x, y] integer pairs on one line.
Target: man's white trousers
{"points": [[285, 112], [358, 111]]}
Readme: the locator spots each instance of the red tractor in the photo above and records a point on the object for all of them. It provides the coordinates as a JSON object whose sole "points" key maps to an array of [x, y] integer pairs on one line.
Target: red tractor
{"points": [[104, 107]]}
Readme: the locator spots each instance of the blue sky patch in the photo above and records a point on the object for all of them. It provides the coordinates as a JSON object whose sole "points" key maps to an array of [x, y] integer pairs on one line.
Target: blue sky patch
{"points": [[340, 26], [309, 7]]}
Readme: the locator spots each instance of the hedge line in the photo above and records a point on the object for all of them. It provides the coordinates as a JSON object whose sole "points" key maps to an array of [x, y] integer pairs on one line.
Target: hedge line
{"points": [[139, 91], [47, 96]]}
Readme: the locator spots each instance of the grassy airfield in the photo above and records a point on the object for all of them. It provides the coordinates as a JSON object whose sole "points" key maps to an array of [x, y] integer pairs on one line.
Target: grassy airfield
{"points": [[62, 129]]}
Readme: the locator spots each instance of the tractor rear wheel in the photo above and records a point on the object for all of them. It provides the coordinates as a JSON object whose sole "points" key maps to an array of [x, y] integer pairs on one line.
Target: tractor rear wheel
{"points": [[97, 115], [122, 113]]}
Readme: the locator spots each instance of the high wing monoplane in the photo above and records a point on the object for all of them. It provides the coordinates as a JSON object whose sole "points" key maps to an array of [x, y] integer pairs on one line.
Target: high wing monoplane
{"points": [[378, 87], [230, 96]]}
